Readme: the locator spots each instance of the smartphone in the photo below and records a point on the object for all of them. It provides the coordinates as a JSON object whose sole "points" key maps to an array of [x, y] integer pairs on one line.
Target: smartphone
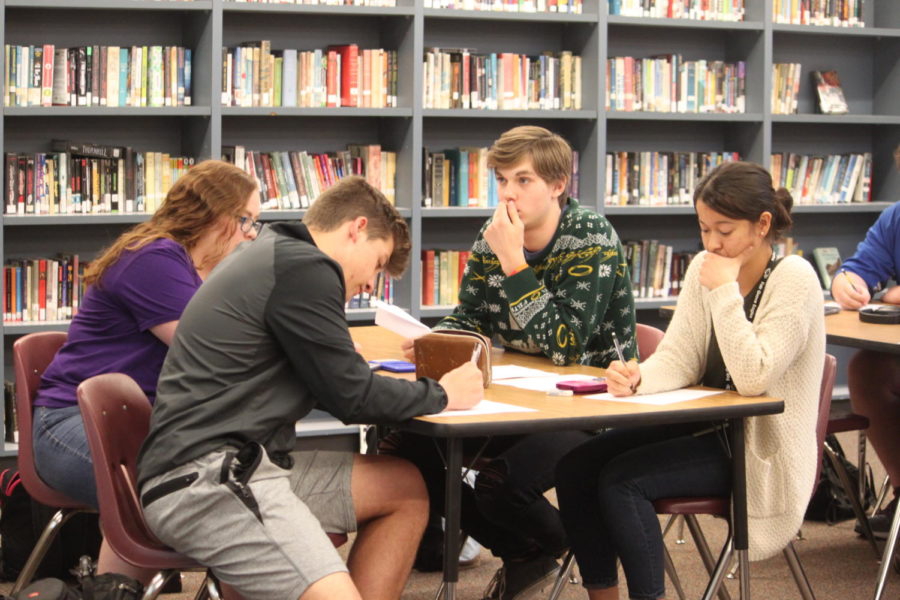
{"points": [[580, 386], [397, 366]]}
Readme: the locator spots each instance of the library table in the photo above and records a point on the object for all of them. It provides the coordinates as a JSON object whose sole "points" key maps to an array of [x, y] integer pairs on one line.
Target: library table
{"points": [[554, 413], [845, 329]]}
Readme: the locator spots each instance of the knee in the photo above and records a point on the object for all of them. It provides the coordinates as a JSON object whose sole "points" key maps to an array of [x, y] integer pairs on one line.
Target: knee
{"points": [[405, 478]]}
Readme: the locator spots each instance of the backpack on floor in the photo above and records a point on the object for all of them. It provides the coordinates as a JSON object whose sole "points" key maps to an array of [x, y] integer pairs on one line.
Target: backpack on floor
{"points": [[22, 520], [830, 502]]}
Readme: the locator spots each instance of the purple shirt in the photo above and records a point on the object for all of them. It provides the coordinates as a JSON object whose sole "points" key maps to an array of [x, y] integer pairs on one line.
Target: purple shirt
{"points": [[111, 332]]}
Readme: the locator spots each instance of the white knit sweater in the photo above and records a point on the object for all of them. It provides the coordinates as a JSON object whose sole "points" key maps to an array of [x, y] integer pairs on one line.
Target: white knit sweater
{"points": [[780, 354]]}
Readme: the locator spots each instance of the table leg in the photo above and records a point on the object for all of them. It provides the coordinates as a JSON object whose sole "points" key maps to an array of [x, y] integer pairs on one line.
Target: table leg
{"points": [[739, 504], [453, 491], [888, 557]]}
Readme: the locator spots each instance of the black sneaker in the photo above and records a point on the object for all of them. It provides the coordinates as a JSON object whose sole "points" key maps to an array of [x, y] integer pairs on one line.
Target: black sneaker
{"points": [[520, 580], [880, 522]]}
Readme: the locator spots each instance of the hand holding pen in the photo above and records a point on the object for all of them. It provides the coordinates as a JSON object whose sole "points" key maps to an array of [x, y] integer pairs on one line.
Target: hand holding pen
{"points": [[622, 376], [850, 290]]}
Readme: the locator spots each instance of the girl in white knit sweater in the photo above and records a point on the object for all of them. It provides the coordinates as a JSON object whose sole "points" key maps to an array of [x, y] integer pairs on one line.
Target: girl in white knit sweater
{"points": [[744, 321]]}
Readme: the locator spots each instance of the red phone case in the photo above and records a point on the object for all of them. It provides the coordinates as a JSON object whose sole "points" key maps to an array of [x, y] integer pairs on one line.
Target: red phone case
{"points": [[583, 387]]}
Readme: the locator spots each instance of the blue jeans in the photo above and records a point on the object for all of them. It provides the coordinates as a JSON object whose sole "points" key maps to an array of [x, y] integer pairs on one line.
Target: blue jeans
{"points": [[61, 454], [606, 488]]}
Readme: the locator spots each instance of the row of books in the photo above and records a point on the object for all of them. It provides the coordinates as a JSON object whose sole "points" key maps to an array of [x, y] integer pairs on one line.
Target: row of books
{"points": [[704, 10], [85, 179], [379, 3], [293, 180], [458, 177], [461, 177], [383, 291], [143, 76], [657, 271], [255, 75], [42, 289], [837, 13], [785, 88], [658, 178], [442, 272], [460, 78], [831, 179], [671, 84], [527, 6]]}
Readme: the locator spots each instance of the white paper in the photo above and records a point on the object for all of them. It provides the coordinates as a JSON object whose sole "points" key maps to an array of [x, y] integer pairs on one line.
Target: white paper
{"points": [[515, 371], [660, 399], [542, 384], [399, 321], [485, 407]]}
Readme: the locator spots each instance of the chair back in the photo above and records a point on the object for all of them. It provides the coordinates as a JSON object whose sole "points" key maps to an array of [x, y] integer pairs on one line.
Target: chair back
{"points": [[648, 338], [825, 392], [32, 355], [116, 416]]}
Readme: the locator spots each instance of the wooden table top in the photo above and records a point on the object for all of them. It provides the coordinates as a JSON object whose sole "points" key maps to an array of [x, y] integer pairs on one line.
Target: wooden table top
{"points": [[577, 411], [845, 329]]}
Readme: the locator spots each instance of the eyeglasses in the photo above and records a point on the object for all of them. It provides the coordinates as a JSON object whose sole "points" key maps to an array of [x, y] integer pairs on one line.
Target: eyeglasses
{"points": [[247, 224]]}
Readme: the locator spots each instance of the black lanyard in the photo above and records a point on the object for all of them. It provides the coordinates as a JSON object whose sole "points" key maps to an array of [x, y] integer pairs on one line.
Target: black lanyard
{"points": [[750, 311]]}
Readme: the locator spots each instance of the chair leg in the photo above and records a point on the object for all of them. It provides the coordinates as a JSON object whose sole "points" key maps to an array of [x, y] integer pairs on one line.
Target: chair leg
{"points": [[861, 463], [679, 539], [706, 554], [209, 588], [800, 578], [43, 544], [882, 495], [718, 574], [889, 550], [563, 575], [672, 573], [157, 583], [853, 493]]}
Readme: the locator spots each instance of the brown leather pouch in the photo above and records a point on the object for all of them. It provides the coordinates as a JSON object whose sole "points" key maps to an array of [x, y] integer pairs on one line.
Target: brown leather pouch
{"points": [[441, 351]]}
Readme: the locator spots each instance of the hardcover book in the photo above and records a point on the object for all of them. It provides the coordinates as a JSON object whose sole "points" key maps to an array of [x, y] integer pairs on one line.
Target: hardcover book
{"points": [[831, 96], [828, 262]]}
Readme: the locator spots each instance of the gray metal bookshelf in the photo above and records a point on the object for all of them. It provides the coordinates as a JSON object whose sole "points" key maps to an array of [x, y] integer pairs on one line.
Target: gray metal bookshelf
{"points": [[867, 59]]}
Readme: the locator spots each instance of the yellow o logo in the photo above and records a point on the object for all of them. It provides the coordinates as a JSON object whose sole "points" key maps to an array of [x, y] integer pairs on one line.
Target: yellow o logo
{"points": [[580, 270], [561, 337]]}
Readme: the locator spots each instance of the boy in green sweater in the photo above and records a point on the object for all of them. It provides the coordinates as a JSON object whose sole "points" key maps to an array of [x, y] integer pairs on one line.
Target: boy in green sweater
{"points": [[545, 276]]}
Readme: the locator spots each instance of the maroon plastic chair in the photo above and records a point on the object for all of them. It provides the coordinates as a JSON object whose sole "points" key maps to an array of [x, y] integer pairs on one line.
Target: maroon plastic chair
{"points": [[116, 416], [840, 420], [117, 419], [32, 354], [648, 338], [689, 508]]}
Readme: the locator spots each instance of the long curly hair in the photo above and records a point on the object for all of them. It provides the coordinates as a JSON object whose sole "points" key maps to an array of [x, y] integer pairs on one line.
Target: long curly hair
{"points": [[196, 203]]}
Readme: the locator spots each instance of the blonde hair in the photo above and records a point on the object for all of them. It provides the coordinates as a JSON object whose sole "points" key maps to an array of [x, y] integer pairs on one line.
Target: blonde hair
{"points": [[550, 154], [353, 197], [208, 191]]}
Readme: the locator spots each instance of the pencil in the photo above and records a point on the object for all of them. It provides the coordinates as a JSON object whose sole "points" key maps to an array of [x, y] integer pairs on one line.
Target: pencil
{"points": [[850, 280]]}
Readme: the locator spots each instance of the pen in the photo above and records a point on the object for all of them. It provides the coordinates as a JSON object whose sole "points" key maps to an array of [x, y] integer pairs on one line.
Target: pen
{"points": [[476, 353], [618, 346], [850, 280]]}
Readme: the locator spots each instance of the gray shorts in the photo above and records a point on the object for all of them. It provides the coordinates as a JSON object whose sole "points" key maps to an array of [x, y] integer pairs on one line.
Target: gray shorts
{"points": [[273, 550]]}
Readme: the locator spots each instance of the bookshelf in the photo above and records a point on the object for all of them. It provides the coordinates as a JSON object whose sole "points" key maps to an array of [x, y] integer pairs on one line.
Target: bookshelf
{"points": [[867, 59]]}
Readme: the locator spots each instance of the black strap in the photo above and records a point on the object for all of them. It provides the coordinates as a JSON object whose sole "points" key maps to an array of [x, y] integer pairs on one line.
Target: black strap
{"points": [[167, 487], [750, 309]]}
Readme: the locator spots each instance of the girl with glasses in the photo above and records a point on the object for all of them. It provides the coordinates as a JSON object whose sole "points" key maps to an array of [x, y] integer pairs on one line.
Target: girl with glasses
{"points": [[137, 290]]}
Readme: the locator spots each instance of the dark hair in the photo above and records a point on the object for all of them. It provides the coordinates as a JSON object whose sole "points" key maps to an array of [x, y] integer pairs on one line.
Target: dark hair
{"points": [[743, 190], [550, 154], [196, 202], [354, 197]]}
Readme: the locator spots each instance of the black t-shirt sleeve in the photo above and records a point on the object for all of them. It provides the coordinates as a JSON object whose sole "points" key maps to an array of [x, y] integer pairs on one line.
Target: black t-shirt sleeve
{"points": [[306, 315]]}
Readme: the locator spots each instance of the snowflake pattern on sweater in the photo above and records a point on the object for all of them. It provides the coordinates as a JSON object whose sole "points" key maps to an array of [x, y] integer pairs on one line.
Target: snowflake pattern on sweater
{"points": [[565, 305]]}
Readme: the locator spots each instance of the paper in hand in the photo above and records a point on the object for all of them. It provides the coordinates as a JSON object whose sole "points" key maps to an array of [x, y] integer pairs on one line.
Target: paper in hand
{"points": [[399, 321]]}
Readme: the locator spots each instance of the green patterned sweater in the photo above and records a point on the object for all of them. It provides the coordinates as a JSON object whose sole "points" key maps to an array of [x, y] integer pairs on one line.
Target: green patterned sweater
{"points": [[564, 306]]}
